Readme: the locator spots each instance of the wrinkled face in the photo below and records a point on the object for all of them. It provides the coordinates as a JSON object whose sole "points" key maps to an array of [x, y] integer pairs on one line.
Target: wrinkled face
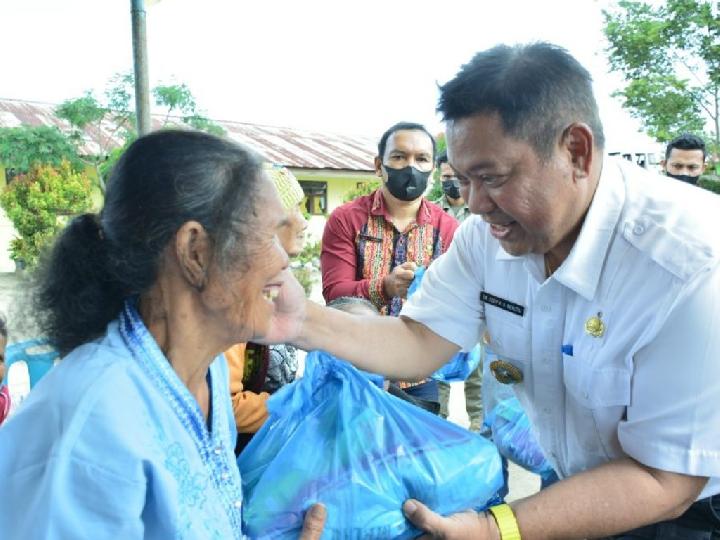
{"points": [[685, 162], [531, 205], [406, 147], [243, 294], [292, 231]]}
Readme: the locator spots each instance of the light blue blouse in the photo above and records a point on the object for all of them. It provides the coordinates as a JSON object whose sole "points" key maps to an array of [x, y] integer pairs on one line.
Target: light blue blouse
{"points": [[111, 444]]}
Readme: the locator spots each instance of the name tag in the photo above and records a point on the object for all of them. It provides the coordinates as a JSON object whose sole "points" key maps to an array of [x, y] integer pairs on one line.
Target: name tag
{"points": [[505, 305]]}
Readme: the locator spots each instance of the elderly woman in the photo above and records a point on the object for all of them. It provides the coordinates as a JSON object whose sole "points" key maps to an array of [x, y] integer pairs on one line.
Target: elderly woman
{"points": [[132, 435], [258, 370]]}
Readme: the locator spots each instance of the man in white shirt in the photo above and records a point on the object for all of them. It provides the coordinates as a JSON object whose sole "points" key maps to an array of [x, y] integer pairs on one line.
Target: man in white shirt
{"points": [[599, 285]]}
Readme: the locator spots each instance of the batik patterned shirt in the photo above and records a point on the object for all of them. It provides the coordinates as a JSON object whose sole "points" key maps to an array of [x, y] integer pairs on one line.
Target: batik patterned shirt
{"points": [[361, 246]]}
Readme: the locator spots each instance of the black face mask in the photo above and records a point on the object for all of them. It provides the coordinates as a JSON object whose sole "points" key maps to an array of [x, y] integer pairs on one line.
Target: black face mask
{"points": [[406, 184], [685, 178], [451, 188]]}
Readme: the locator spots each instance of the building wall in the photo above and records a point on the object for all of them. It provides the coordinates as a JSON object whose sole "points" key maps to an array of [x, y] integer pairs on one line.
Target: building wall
{"points": [[338, 183]]}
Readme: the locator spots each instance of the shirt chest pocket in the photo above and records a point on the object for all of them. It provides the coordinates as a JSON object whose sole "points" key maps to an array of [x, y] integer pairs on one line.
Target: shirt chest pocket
{"points": [[597, 398], [595, 387]]}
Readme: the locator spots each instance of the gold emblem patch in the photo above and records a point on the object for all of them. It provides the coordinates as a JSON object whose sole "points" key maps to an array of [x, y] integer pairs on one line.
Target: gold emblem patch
{"points": [[595, 326], [505, 372]]}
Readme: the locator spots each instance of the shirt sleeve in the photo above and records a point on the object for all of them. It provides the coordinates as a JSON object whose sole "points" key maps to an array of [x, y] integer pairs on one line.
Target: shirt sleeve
{"points": [[448, 301], [673, 421], [338, 261]]}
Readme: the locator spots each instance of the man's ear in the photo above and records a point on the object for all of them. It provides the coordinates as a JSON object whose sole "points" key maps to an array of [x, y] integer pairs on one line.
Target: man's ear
{"points": [[579, 140], [193, 250], [378, 166], [663, 165]]}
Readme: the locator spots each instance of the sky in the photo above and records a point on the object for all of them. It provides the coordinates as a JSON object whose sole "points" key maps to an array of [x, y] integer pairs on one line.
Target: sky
{"points": [[328, 65]]}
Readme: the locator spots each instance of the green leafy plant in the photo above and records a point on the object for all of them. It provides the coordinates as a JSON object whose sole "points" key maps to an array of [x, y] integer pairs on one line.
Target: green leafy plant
{"points": [[669, 54], [116, 109], [306, 266], [362, 188], [36, 203], [710, 184], [23, 147]]}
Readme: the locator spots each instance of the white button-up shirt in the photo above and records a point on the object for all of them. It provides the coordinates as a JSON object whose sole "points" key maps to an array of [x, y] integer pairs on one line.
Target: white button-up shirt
{"points": [[647, 263]]}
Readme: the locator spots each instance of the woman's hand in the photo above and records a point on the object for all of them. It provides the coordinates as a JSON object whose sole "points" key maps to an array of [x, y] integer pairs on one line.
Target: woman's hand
{"points": [[467, 525], [314, 523]]}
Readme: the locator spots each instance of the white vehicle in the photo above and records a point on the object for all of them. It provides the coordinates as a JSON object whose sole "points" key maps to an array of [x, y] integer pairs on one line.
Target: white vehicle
{"points": [[648, 159]]}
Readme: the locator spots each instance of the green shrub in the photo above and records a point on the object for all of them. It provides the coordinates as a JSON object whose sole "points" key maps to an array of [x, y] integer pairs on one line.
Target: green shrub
{"points": [[362, 188], [37, 202], [306, 267], [710, 184]]}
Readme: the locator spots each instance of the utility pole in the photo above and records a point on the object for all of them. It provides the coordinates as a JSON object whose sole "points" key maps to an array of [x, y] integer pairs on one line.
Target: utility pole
{"points": [[140, 63]]}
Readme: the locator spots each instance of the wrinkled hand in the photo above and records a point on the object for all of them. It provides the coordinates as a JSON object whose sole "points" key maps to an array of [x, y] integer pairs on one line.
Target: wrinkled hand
{"points": [[314, 523], [467, 525], [396, 283], [287, 320]]}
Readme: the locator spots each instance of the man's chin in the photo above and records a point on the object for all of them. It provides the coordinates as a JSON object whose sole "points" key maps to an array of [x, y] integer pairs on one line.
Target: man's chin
{"points": [[516, 249]]}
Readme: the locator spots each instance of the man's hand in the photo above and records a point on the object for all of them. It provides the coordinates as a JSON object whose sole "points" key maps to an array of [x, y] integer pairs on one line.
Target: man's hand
{"points": [[314, 523], [289, 315], [396, 283], [467, 525]]}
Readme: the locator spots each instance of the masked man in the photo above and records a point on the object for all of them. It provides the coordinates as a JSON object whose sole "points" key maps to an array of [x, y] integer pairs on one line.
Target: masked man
{"points": [[685, 158], [372, 246]]}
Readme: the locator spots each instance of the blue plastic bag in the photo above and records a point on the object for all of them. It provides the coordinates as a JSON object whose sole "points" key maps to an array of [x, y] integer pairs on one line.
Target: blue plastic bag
{"points": [[512, 434], [460, 366], [336, 438]]}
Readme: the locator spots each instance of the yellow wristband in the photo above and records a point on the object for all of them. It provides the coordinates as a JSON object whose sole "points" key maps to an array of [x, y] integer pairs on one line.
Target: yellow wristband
{"points": [[506, 522]]}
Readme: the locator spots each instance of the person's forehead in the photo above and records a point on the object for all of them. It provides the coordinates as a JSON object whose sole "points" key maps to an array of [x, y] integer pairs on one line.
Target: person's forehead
{"points": [[446, 168], [480, 141], [677, 154], [410, 140]]}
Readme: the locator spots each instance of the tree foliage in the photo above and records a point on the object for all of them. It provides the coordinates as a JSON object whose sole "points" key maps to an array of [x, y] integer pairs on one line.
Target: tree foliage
{"points": [[360, 189], [23, 147], [178, 100], [117, 110], [436, 191], [33, 202], [669, 55]]}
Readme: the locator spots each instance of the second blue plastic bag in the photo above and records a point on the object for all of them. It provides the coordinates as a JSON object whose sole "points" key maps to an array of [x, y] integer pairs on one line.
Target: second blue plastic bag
{"points": [[460, 366], [512, 433], [336, 438]]}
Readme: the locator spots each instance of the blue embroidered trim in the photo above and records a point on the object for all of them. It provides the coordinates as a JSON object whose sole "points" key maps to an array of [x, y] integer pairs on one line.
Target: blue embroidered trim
{"points": [[216, 449]]}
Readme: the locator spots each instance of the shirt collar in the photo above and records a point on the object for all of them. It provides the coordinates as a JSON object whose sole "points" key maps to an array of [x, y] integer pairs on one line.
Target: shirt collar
{"points": [[583, 266], [446, 204], [378, 208]]}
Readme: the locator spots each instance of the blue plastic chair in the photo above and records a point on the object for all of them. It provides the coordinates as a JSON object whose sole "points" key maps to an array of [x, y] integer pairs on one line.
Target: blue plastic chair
{"points": [[38, 354]]}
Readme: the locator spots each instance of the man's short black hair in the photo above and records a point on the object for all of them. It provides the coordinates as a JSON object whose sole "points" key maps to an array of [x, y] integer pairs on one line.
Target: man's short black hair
{"points": [[402, 126], [537, 90], [686, 141], [441, 158]]}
